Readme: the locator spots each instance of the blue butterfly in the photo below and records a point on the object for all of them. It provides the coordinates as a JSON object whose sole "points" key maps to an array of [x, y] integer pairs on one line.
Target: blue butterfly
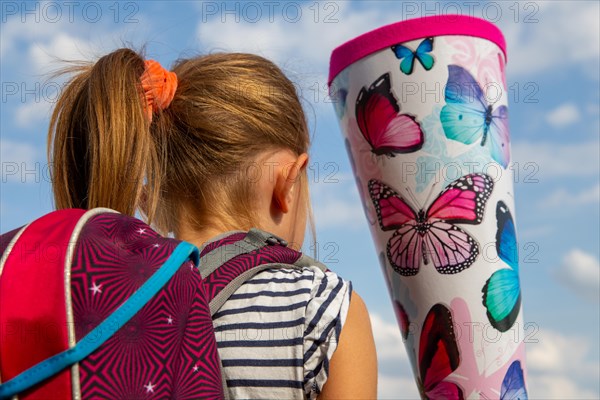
{"points": [[338, 91], [467, 116], [513, 385], [408, 56], [502, 291]]}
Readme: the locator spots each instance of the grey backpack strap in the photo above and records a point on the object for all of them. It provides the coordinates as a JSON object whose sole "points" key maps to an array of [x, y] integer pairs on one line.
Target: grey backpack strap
{"points": [[221, 298], [254, 240], [307, 261]]}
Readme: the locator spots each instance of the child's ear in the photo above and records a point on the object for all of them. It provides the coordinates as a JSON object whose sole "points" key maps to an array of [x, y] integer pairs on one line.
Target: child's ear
{"points": [[286, 180]]}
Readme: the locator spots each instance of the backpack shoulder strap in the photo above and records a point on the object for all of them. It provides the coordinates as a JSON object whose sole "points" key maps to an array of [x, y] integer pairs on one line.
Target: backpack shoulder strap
{"points": [[226, 267], [221, 254], [7, 242], [307, 261]]}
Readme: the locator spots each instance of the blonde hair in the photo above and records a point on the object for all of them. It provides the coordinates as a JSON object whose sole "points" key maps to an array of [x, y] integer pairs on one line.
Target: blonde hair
{"points": [[192, 161]]}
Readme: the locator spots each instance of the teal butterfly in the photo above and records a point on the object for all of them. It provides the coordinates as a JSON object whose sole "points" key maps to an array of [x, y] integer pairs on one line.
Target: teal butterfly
{"points": [[468, 117], [502, 291], [408, 56]]}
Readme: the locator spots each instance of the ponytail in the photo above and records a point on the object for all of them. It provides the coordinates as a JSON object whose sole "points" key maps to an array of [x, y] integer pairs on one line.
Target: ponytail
{"points": [[100, 146]]}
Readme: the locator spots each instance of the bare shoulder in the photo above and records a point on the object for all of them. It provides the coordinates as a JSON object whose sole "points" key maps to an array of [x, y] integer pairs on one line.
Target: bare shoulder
{"points": [[353, 367]]}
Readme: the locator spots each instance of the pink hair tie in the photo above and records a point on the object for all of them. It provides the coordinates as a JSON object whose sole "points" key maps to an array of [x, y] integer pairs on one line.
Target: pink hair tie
{"points": [[159, 87]]}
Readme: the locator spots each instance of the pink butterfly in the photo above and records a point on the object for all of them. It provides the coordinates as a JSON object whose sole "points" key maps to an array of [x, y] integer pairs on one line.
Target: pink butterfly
{"points": [[386, 131], [430, 235]]}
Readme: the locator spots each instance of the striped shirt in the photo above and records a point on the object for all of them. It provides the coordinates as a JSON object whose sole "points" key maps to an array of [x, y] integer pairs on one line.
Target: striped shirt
{"points": [[278, 331]]}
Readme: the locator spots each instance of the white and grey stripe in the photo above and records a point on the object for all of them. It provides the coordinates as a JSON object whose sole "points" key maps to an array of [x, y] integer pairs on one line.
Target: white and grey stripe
{"points": [[277, 332]]}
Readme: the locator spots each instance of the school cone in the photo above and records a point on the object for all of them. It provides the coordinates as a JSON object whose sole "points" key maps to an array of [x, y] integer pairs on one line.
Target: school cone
{"points": [[422, 105]]}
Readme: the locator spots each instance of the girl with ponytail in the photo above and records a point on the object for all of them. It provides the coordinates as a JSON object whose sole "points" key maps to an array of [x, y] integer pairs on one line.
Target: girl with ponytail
{"points": [[216, 146]]}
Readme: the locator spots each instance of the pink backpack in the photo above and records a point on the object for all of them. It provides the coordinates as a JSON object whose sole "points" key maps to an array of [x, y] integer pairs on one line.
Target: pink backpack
{"points": [[95, 304]]}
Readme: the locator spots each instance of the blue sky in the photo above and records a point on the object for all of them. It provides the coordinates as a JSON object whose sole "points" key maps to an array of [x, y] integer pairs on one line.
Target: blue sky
{"points": [[552, 72]]}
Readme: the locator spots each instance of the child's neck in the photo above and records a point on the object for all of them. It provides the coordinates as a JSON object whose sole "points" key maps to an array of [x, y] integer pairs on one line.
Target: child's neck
{"points": [[199, 238]]}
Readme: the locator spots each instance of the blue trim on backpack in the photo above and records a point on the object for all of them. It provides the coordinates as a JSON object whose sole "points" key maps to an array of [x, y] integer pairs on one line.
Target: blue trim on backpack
{"points": [[95, 338]]}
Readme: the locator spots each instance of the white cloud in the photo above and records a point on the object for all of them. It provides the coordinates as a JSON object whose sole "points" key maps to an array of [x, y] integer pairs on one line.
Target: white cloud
{"points": [[546, 355], [388, 340], [552, 386], [37, 48], [61, 46], [14, 30], [393, 387], [43, 38], [18, 162], [333, 212], [564, 115], [39, 92], [33, 112], [399, 383], [18, 152], [580, 271], [565, 32], [559, 367], [314, 35], [562, 197], [335, 201], [38, 41], [542, 160]]}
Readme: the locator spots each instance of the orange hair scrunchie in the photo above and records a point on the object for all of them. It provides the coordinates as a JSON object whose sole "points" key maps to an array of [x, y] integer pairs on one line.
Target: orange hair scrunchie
{"points": [[159, 87]]}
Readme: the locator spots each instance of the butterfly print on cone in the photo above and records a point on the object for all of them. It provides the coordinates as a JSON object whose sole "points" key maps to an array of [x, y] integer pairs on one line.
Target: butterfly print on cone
{"points": [[438, 356], [402, 318], [430, 235], [377, 116], [489, 369], [513, 384], [407, 56], [467, 117], [502, 291]]}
